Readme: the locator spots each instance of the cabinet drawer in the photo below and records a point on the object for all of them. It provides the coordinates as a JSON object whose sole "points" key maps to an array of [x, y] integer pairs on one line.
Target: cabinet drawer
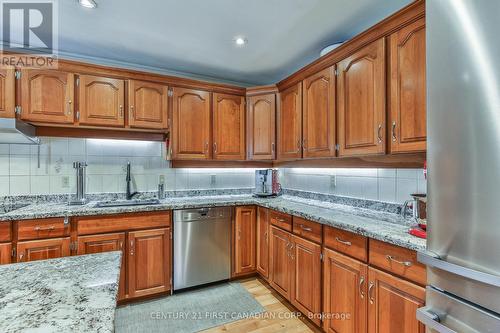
{"points": [[42, 228], [122, 222], [346, 242], [281, 220], [307, 229], [397, 260], [5, 231]]}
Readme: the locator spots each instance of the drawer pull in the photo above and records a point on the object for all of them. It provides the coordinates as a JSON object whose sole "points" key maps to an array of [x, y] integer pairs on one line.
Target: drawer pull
{"points": [[37, 228], [305, 228], [404, 263], [281, 220], [343, 241], [370, 288], [361, 282]]}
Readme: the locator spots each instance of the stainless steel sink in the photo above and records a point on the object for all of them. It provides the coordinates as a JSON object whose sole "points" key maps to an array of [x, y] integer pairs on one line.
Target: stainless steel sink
{"points": [[121, 203]]}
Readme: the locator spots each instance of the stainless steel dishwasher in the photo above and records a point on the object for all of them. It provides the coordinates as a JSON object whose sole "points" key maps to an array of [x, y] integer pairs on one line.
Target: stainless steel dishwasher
{"points": [[202, 246]]}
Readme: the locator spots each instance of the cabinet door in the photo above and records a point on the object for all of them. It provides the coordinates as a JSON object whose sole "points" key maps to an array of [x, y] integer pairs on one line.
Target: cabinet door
{"points": [[105, 243], [5, 253], [306, 280], [319, 114], [42, 249], [191, 124], [244, 242], [263, 242], [229, 127], [148, 105], [393, 303], [290, 123], [261, 127], [101, 101], [47, 96], [7, 93], [344, 293], [407, 89], [148, 262], [361, 101], [280, 264]]}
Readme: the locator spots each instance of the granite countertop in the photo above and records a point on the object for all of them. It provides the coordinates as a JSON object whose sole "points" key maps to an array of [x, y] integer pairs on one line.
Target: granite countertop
{"points": [[70, 294], [384, 226]]}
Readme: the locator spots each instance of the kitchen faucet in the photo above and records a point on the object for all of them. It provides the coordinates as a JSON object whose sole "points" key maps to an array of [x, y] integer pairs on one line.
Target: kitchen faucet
{"points": [[128, 179]]}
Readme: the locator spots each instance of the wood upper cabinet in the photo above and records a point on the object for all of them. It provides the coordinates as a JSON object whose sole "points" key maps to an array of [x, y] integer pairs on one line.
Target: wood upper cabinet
{"points": [[345, 283], [43, 249], [244, 240], [290, 123], [261, 127], [361, 101], [191, 131], [228, 127], [408, 89], [148, 262], [147, 105], [101, 101], [7, 93], [5, 253], [392, 304], [263, 242], [319, 114], [47, 96], [106, 243], [280, 265], [306, 280]]}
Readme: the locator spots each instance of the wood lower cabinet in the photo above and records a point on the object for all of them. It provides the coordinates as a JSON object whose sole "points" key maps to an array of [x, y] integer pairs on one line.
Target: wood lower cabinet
{"points": [[7, 92], [147, 105], [149, 262], [280, 265], [290, 123], [43, 249], [361, 101], [263, 242], [228, 127], [106, 243], [5, 253], [101, 101], [244, 241], [319, 114], [191, 131], [261, 127], [306, 280], [408, 89], [345, 283], [392, 304], [47, 96]]}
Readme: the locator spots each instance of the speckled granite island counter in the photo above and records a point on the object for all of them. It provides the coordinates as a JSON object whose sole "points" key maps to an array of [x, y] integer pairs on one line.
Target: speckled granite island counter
{"points": [[71, 294]]}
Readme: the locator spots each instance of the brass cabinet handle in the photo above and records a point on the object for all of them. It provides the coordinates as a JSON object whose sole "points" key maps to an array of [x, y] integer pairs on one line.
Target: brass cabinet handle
{"points": [[370, 287], [299, 145], [272, 147], [215, 147], [69, 107], [393, 131], [304, 144], [239, 233], [291, 252], [303, 227], [121, 245], [120, 110], [206, 146], [266, 237], [38, 228], [379, 133], [343, 241], [404, 263], [361, 282], [131, 247], [131, 111], [21, 256]]}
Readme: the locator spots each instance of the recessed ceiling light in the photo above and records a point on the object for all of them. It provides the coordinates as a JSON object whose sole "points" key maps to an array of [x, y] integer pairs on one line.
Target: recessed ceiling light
{"points": [[240, 40], [87, 3]]}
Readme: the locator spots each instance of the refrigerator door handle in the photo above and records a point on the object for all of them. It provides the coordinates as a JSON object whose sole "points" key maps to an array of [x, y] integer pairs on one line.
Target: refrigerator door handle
{"points": [[433, 260], [431, 320]]}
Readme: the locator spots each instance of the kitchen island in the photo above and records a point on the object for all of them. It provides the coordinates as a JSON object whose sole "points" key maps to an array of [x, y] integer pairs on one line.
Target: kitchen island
{"points": [[70, 294]]}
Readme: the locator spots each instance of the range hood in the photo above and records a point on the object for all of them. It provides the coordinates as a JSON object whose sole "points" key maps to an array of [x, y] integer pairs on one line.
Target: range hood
{"points": [[16, 131]]}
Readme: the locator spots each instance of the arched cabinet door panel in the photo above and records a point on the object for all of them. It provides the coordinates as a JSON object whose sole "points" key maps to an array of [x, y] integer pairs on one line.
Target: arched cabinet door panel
{"points": [[228, 127], [147, 105]]}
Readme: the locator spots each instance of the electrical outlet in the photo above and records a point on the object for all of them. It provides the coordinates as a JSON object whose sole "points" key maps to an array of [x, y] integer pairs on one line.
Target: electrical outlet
{"points": [[65, 181], [213, 179], [161, 179], [333, 182]]}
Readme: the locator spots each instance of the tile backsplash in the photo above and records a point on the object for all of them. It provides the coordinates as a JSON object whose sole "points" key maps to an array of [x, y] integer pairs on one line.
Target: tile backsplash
{"points": [[22, 172]]}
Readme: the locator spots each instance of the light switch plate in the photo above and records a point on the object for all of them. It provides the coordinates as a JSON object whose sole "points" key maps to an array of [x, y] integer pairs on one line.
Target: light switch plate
{"points": [[161, 179], [65, 181], [333, 182]]}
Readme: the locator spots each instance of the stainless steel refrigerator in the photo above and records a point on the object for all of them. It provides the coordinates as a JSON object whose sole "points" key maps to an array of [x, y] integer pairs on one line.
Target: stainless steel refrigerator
{"points": [[463, 155]]}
